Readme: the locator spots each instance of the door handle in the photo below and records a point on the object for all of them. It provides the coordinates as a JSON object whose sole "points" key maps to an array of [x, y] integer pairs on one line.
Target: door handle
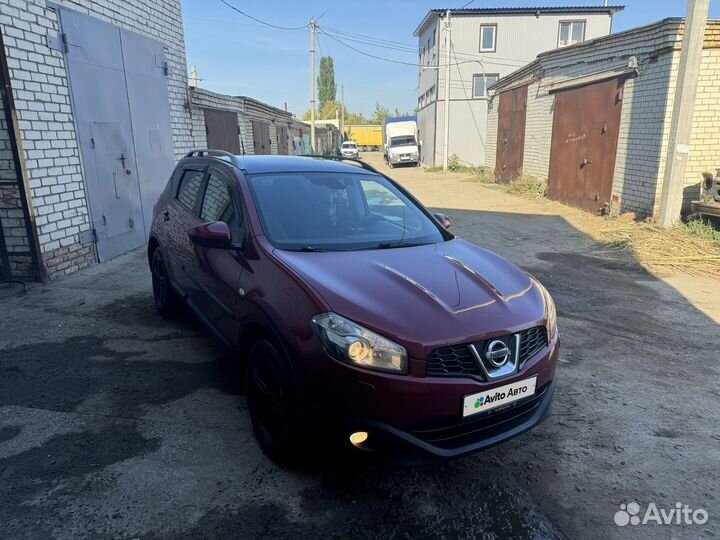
{"points": [[166, 215], [585, 162]]}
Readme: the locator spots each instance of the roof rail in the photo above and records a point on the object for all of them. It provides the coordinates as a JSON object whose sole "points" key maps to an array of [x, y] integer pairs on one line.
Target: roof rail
{"points": [[362, 164], [219, 154]]}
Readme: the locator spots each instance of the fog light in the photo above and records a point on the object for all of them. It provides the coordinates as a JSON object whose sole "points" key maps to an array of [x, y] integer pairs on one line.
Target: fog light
{"points": [[358, 437]]}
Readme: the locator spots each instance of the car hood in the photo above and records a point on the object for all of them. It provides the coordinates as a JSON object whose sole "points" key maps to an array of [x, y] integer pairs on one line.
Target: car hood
{"points": [[424, 296]]}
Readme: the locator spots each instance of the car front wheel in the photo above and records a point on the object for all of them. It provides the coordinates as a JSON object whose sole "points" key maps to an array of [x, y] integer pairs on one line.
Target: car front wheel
{"points": [[272, 402]]}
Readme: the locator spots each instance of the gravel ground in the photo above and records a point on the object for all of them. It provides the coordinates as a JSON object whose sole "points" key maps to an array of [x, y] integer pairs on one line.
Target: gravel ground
{"points": [[117, 424]]}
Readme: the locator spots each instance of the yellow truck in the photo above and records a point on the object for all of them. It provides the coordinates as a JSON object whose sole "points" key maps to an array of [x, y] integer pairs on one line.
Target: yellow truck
{"points": [[367, 137]]}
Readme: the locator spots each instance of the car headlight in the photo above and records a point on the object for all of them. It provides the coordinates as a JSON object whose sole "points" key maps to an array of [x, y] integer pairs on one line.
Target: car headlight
{"points": [[351, 343], [550, 313]]}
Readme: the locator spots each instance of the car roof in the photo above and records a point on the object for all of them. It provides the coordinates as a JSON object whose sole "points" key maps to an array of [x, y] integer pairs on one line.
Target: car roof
{"points": [[277, 164]]}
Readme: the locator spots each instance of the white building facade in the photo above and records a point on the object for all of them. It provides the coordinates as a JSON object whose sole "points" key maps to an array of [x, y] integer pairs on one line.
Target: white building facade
{"points": [[486, 44]]}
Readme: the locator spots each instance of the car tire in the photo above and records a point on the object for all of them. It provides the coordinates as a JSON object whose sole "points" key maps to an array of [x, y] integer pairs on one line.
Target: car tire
{"points": [[272, 402], [167, 301]]}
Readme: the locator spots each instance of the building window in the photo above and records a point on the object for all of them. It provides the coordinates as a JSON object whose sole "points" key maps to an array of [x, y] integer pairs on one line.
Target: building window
{"points": [[481, 83], [571, 32], [488, 35]]}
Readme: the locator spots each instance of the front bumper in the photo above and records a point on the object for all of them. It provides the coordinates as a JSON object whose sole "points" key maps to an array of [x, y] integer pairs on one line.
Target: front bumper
{"points": [[444, 443], [417, 419], [350, 154], [401, 158]]}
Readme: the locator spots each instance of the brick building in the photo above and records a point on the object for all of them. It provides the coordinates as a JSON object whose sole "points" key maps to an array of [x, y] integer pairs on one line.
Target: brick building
{"points": [[241, 124], [593, 119], [94, 115]]}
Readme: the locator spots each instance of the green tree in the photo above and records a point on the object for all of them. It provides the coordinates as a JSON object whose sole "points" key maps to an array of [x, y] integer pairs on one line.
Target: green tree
{"points": [[380, 114], [326, 82]]}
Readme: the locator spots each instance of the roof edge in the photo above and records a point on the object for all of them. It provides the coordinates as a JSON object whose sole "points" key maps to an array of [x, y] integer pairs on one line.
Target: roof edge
{"points": [[537, 62], [440, 12]]}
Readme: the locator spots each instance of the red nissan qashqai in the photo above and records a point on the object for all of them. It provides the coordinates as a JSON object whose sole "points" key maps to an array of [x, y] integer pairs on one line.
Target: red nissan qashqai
{"points": [[356, 314]]}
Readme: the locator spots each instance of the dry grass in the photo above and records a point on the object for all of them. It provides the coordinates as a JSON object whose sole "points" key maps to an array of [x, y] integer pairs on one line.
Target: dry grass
{"points": [[692, 248]]}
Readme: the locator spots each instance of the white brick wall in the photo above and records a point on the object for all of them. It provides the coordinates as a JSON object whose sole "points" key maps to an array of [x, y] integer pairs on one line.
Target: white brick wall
{"points": [[12, 222], [491, 133], [48, 139], [247, 109], [646, 110], [705, 142]]}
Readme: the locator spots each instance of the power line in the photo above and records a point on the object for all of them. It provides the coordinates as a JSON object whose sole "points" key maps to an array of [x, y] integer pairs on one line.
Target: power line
{"points": [[367, 53], [376, 43], [367, 37], [228, 4], [392, 60], [467, 98]]}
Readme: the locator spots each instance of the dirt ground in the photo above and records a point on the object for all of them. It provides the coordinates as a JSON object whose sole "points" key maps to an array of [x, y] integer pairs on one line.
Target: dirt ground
{"points": [[115, 423]]}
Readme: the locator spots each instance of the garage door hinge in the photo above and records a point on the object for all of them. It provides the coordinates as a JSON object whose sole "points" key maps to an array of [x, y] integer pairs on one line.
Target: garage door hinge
{"points": [[88, 236], [92, 142], [58, 42], [166, 68]]}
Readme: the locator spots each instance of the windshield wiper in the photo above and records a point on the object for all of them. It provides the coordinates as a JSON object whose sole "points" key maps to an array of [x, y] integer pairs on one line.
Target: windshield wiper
{"points": [[308, 249], [398, 244]]}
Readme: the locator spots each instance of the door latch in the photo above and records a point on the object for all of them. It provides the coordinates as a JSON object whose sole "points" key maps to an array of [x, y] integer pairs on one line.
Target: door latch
{"points": [[585, 162]]}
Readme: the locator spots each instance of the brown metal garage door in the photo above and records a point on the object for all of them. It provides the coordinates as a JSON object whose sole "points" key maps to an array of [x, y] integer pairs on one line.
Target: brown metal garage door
{"points": [[282, 140], [261, 137], [222, 130], [584, 143], [511, 134]]}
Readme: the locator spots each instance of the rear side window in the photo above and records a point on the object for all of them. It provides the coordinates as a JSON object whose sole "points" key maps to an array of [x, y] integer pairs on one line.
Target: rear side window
{"points": [[190, 188], [218, 205]]}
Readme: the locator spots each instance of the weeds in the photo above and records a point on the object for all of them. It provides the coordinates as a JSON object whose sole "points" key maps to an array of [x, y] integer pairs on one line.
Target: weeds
{"points": [[527, 186], [701, 230]]}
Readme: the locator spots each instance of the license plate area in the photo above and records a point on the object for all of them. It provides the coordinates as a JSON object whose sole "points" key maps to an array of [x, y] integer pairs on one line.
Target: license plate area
{"points": [[498, 397]]}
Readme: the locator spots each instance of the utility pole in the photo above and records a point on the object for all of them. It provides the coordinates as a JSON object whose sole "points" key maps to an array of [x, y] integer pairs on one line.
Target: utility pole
{"points": [[448, 44], [342, 112], [313, 28], [194, 77], [683, 108]]}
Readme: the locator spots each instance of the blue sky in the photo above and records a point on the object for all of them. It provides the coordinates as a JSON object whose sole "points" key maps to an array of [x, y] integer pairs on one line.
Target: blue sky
{"points": [[235, 55]]}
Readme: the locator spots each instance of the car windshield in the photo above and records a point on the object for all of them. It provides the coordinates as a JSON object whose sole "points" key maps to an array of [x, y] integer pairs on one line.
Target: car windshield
{"points": [[338, 212], [349, 145], [402, 141]]}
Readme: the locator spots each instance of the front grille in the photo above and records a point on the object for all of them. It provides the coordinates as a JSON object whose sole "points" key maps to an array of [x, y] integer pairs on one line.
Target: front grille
{"points": [[458, 433], [531, 341], [458, 360]]}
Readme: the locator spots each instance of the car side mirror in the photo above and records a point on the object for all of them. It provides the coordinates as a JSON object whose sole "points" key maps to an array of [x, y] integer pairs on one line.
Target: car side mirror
{"points": [[211, 235], [444, 220]]}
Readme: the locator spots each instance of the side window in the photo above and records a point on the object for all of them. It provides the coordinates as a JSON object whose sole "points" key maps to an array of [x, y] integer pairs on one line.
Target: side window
{"points": [[189, 188], [218, 205], [488, 37], [385, 203], [571, 32]]}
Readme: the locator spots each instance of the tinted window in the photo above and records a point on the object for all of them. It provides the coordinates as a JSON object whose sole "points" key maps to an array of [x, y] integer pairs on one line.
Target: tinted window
{"points": [[189, 188], [334, 211], [218, 205]]}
